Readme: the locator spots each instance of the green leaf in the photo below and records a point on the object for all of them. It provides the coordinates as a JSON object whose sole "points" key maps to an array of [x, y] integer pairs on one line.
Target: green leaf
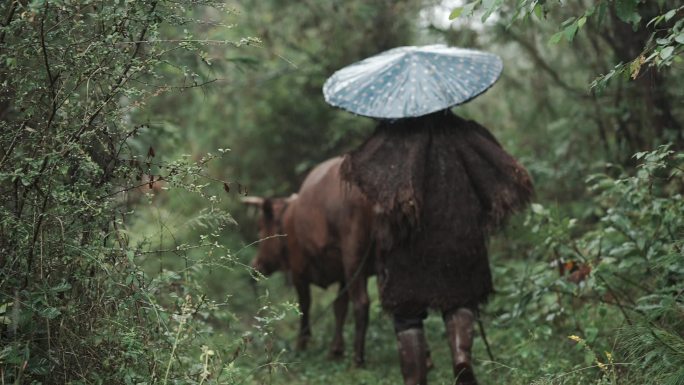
{"points": [[569, 21], [49, 312], [539, 11], [655, 20], [666, 52], [590, 11], [490, 6], [570, 32], [626, 10], [539, 209], [556, 38], [455, 13], [467, 10], [63, 286], [680, 38], [581, 21], [670, 14], [591, 333], [602, 8]]}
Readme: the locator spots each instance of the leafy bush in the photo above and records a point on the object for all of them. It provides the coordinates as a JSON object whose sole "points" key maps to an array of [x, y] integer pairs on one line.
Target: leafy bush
{"points": [[608, 283], [75, 304]]}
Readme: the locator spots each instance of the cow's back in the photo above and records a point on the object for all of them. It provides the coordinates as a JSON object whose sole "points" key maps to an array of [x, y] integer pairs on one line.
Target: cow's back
{"points": [[325, 212]]}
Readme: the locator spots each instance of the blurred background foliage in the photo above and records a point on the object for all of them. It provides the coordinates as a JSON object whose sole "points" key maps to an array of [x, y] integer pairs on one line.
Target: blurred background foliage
{"points": [[227, 101]]}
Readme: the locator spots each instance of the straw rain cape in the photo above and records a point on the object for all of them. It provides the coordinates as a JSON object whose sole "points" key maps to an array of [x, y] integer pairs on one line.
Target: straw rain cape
{"points": [[441, 183]]}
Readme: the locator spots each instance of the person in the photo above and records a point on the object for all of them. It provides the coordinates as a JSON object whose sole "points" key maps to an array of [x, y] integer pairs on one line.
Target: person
{"points": [[441, 185]]}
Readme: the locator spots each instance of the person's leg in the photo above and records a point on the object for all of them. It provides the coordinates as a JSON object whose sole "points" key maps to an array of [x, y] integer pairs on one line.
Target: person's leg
{"points": [[459, 327], [412, 347]]}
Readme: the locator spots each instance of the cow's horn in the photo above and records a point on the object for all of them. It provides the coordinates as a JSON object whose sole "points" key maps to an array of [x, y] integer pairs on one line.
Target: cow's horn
{"points": [[252, 200], [292, 197]]}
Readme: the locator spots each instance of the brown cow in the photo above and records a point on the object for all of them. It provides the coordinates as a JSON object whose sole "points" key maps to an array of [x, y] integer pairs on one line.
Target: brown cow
{"points": [[328, 227]]}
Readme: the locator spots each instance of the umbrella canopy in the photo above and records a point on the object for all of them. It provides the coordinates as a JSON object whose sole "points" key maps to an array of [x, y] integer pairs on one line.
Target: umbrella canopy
{"points": [[412, 81]]}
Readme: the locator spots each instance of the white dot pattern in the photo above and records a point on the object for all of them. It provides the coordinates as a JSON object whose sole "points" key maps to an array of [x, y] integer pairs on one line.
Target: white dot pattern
{"points": [[412, 81]]}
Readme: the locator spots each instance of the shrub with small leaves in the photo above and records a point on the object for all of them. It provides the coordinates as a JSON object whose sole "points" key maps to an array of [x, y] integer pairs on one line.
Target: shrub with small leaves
{"points": [[612, 279], [75, 304]]}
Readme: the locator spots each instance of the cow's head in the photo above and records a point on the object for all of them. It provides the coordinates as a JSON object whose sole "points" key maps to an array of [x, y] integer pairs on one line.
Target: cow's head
{"points": [[273, 253]]}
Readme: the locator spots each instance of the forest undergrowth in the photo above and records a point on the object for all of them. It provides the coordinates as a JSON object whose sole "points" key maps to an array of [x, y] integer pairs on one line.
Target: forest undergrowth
{"points": [[130, 129], [595, 299]]}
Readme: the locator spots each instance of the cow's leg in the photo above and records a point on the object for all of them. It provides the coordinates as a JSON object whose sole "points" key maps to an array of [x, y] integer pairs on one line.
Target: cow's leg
{"points": [[340, 305], [304, 295], [412, 348], [356, 256], [459, 326], [360, 302]]}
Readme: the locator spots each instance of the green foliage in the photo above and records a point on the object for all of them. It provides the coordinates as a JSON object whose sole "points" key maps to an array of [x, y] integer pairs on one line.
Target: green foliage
{"points": [[660, 350], [119, 262], [610, 280], [612, 315], [661, 20], [266, 103], [76, 305], [543, 112]]}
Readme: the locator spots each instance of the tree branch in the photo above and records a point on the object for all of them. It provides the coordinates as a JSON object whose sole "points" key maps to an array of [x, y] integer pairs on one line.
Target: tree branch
{"points": [[8, 19], [9, 150], [121, 80], [537, 58], [48, 71]]}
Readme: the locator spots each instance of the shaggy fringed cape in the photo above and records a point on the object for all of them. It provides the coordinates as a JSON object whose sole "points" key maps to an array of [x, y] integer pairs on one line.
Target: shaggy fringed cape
{"points": [[441, 183]]}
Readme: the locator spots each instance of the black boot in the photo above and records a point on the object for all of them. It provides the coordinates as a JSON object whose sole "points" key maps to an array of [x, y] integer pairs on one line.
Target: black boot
{"points": [[412, 354], [459, 326]]}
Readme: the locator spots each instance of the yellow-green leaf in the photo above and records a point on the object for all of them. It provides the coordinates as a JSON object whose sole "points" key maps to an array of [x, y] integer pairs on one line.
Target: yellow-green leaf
{"points": [[581, 21], [556, 38], [456, 12], [539, 11]]}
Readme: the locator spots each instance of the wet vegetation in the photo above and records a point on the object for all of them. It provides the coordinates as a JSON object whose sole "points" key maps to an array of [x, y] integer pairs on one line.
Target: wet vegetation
{"points": [[129, 131]]}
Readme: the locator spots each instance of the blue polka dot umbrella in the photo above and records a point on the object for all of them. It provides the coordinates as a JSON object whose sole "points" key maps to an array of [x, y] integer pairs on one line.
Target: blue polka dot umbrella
{"points": [[412, 81]]}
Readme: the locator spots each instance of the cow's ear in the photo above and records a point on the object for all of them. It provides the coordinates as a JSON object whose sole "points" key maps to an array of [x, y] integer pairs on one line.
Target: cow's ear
{"points": [[267, 208]]}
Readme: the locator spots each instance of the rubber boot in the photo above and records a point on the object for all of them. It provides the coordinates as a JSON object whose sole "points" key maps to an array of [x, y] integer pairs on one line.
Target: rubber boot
{"points": [[459, 326], [412, 353]]}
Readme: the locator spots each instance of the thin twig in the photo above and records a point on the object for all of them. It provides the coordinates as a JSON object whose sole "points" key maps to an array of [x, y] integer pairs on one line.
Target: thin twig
{"points": [[617, 300], [484, 338], [12, 144], [539, 60]]}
